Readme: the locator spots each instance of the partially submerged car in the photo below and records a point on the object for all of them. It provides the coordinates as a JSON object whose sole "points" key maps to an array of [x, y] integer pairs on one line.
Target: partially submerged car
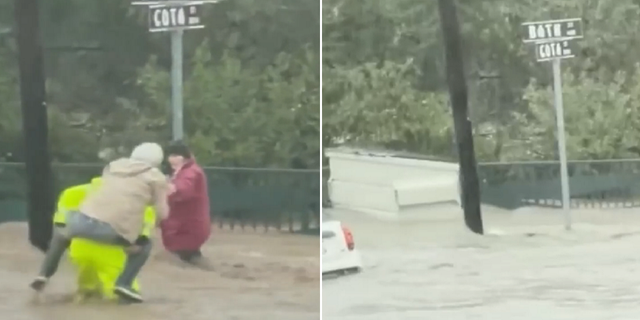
{"points": [[339, 253]]}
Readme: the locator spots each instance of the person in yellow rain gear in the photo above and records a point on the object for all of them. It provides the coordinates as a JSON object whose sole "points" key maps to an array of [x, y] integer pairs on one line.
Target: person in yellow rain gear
{"points": [[98, 264], [113, 214]]}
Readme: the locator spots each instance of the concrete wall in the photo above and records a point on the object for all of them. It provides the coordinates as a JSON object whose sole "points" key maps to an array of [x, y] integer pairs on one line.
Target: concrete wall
{"points": [[390, 187]]}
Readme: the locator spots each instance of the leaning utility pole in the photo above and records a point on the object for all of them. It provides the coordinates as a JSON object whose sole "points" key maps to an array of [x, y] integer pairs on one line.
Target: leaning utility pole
{"points": [[40, 196], [459, 104]]}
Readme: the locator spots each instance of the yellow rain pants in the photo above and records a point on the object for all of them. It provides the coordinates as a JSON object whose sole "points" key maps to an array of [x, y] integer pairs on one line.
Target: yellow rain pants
{"points": [[98, 265]]}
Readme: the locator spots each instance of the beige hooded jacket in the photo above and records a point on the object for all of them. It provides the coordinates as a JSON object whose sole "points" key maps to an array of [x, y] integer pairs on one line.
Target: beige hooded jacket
{"points": [[128, 186]]}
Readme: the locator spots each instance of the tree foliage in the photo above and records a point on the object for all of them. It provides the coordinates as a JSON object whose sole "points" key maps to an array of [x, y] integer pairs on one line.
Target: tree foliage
{"points": [[383, 72], [251, 82]]}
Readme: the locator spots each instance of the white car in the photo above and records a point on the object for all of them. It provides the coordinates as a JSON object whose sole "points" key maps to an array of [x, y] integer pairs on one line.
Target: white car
{"points": [[339, 254]]}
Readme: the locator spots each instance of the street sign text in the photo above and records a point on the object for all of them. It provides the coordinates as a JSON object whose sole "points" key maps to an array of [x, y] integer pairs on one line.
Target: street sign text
{"points": [[552, 30], [553, 50], [174, 17]]}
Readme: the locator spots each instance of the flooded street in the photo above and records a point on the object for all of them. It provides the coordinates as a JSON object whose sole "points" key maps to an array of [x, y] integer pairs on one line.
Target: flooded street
{"points": [[258, 275], [527, 268]]}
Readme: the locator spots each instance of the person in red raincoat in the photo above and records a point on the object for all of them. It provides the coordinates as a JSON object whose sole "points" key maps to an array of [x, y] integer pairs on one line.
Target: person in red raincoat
{"points": [[188, 226]]}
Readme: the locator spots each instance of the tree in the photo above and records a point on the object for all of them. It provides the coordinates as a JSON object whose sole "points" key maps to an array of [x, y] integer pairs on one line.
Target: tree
{"points": [[601, 119], [372, 35], [242, 117], [377, 106], [108, 82]]}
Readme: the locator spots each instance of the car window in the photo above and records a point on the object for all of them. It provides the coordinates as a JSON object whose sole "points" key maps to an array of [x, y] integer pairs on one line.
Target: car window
{"points": [[328, 234]]}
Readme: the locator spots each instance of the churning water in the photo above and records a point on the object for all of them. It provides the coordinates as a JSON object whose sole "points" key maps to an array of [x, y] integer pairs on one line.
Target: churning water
{"points": [[258, 276], [527, 268]]}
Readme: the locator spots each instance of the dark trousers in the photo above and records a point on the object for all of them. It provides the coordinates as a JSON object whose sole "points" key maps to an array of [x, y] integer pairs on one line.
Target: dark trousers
{"points": [[81, 226]]}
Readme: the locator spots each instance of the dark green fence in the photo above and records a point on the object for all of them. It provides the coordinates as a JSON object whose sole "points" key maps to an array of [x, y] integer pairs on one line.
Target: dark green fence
{"points": [[593, 184], [326, 201], [596, 183], [281, 199]]}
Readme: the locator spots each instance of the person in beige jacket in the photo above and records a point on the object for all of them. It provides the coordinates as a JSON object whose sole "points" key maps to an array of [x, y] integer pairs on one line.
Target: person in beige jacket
{"points": [[113, 213]]}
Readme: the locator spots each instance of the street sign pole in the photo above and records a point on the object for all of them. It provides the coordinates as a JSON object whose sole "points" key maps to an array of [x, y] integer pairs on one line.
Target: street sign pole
{"points": [[551, 40], [175, 16], [562, 145], [177, 110]]}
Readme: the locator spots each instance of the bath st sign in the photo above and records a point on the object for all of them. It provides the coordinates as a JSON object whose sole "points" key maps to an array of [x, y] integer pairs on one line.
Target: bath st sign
{"points": [[552, 41], [546, 51], [565, 29], [171, 17]]}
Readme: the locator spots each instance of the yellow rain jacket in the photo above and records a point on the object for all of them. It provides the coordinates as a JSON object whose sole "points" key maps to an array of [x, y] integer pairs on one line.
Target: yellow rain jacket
{"points": [[69, 200], [98, 265]]}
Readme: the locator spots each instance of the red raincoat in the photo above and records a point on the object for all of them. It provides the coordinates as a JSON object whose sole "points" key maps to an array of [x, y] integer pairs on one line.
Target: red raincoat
{"points": [[189, 224]]}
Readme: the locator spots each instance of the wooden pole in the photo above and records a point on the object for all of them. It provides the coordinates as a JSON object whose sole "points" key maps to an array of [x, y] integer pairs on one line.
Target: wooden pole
{"points": [[470, 186], [40, 194]]}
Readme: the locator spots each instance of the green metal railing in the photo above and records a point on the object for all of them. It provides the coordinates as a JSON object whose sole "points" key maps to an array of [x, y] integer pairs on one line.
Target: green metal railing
{"points": [[281, 199], [326, 201], [592, 183]]}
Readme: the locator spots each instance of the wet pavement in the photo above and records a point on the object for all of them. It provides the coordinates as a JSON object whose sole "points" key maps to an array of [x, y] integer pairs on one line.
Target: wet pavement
{"points": [[527, 267], [257, 275]]}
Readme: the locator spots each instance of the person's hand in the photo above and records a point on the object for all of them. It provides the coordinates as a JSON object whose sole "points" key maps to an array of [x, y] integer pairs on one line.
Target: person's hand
{"points": [[176, 168], [133, 249], [171, 189]]}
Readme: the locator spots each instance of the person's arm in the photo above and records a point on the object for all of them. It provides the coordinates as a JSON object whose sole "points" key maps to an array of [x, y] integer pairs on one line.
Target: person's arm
{"points": [[149, 222], [142, 240], [185, 186], [60, 216], [160, 197]]}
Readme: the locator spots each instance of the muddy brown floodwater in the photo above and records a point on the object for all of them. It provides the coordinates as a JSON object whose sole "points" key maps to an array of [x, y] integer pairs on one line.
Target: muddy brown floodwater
{"points": [[527, 267], [257, 275]]}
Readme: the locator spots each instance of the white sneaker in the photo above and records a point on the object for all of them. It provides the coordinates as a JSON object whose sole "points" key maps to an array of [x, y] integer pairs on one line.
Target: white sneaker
{"points": [[39, 283], [128, 294]]}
